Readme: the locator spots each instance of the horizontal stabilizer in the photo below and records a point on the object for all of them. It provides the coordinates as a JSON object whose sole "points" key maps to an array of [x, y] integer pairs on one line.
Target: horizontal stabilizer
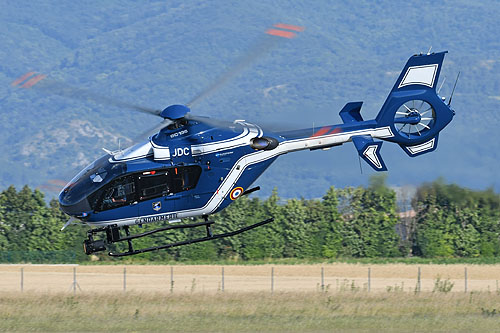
{"points": [[350, 113], [422, 148], [369, 150]]}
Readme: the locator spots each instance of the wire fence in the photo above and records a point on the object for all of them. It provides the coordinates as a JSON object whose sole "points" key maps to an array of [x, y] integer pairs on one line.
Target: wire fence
{"points": [[261, 278]]}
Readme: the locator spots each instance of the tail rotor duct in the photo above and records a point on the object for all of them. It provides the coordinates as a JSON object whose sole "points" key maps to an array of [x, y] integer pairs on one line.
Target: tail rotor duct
{"points": [[414, 118]]}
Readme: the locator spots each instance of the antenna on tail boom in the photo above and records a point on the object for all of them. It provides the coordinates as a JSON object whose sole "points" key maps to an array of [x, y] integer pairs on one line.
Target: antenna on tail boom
{"points": [[454, 86]]}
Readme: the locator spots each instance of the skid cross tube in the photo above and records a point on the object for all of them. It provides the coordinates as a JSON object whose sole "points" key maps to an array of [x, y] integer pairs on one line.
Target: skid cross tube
{"points": [[209, 237]]}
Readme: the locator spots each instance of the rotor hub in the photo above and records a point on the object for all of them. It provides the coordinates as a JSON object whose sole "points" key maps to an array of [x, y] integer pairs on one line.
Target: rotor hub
{"points": [[175, 112], [414, 118]]}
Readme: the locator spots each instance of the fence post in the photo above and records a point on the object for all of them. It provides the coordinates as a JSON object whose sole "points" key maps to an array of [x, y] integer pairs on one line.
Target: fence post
{"points": [[124, 279], [369, 278], [419, 285], [22, 279], [465, 274], [75, 284], [272, 280], [322, 279], [171, 279], [222, 278], [74, 280]]}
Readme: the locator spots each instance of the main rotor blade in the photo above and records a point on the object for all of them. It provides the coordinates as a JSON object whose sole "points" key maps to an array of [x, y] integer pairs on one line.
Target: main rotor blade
{"points": [[216, 123], [259, 49], [151, 131], [65, 90], [276, 127]]}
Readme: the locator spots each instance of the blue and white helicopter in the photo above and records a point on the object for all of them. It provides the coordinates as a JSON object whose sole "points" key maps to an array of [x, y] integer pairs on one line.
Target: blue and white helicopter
{"points": [[195, 166]]}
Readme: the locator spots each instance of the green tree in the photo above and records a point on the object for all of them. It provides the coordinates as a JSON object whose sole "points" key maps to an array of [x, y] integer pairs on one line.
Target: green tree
{"points": [[296, 232], [272, 209], [455, 221], [370, 219], [331, 225], [20, 210]]}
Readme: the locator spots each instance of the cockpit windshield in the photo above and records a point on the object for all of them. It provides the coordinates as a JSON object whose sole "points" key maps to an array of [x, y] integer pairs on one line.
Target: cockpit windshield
{"points": [[91, 178]]}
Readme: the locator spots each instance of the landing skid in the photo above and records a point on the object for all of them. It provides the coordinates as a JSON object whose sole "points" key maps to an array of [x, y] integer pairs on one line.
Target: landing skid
{"points": [[113, 236]]}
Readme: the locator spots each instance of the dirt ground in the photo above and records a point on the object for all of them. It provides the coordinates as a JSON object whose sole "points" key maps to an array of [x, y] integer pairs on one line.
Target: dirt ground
{"points": [[280, 278]]}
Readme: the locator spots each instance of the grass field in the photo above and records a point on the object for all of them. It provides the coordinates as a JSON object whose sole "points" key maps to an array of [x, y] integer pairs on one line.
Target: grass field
{"points": [[197, 303], [250, 312]]}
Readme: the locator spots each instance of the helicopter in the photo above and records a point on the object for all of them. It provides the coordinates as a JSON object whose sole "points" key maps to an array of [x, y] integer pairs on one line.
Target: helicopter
{"points": [[194, 166]]}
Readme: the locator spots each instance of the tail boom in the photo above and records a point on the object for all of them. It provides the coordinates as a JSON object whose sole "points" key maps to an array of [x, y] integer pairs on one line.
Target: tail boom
{"points": [[412, 116]]}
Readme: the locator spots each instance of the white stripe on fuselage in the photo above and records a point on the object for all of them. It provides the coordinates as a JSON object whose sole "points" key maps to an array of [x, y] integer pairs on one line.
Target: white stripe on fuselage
{"points": [[259, 156]]}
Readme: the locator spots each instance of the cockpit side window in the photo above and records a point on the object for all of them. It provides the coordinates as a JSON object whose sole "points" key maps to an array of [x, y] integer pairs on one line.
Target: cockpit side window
{"points": [[118, 193]]}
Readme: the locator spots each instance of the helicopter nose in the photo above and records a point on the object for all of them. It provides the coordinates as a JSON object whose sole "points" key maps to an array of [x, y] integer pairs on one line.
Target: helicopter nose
{"points": [[78, 209]]}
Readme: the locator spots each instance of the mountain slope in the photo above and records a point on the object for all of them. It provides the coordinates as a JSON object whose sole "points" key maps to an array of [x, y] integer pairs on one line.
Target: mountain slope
{"points": [[157, 53]]}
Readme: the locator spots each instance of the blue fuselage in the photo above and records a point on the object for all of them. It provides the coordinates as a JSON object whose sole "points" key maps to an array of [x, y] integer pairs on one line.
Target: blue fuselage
{"points": [[179, 173]]}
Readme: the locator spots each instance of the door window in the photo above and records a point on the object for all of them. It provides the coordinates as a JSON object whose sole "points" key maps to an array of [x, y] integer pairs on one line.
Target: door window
{"points": [[157, 183], [185, 178], [153, 184]]}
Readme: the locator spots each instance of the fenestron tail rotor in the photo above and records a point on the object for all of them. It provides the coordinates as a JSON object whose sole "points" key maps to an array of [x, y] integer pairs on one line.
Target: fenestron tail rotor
{"points": [[414, 118]]}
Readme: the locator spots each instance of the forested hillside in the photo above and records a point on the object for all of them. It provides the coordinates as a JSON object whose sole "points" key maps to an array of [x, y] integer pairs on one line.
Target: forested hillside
{"points": [[157, 53], [353, 222]]}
